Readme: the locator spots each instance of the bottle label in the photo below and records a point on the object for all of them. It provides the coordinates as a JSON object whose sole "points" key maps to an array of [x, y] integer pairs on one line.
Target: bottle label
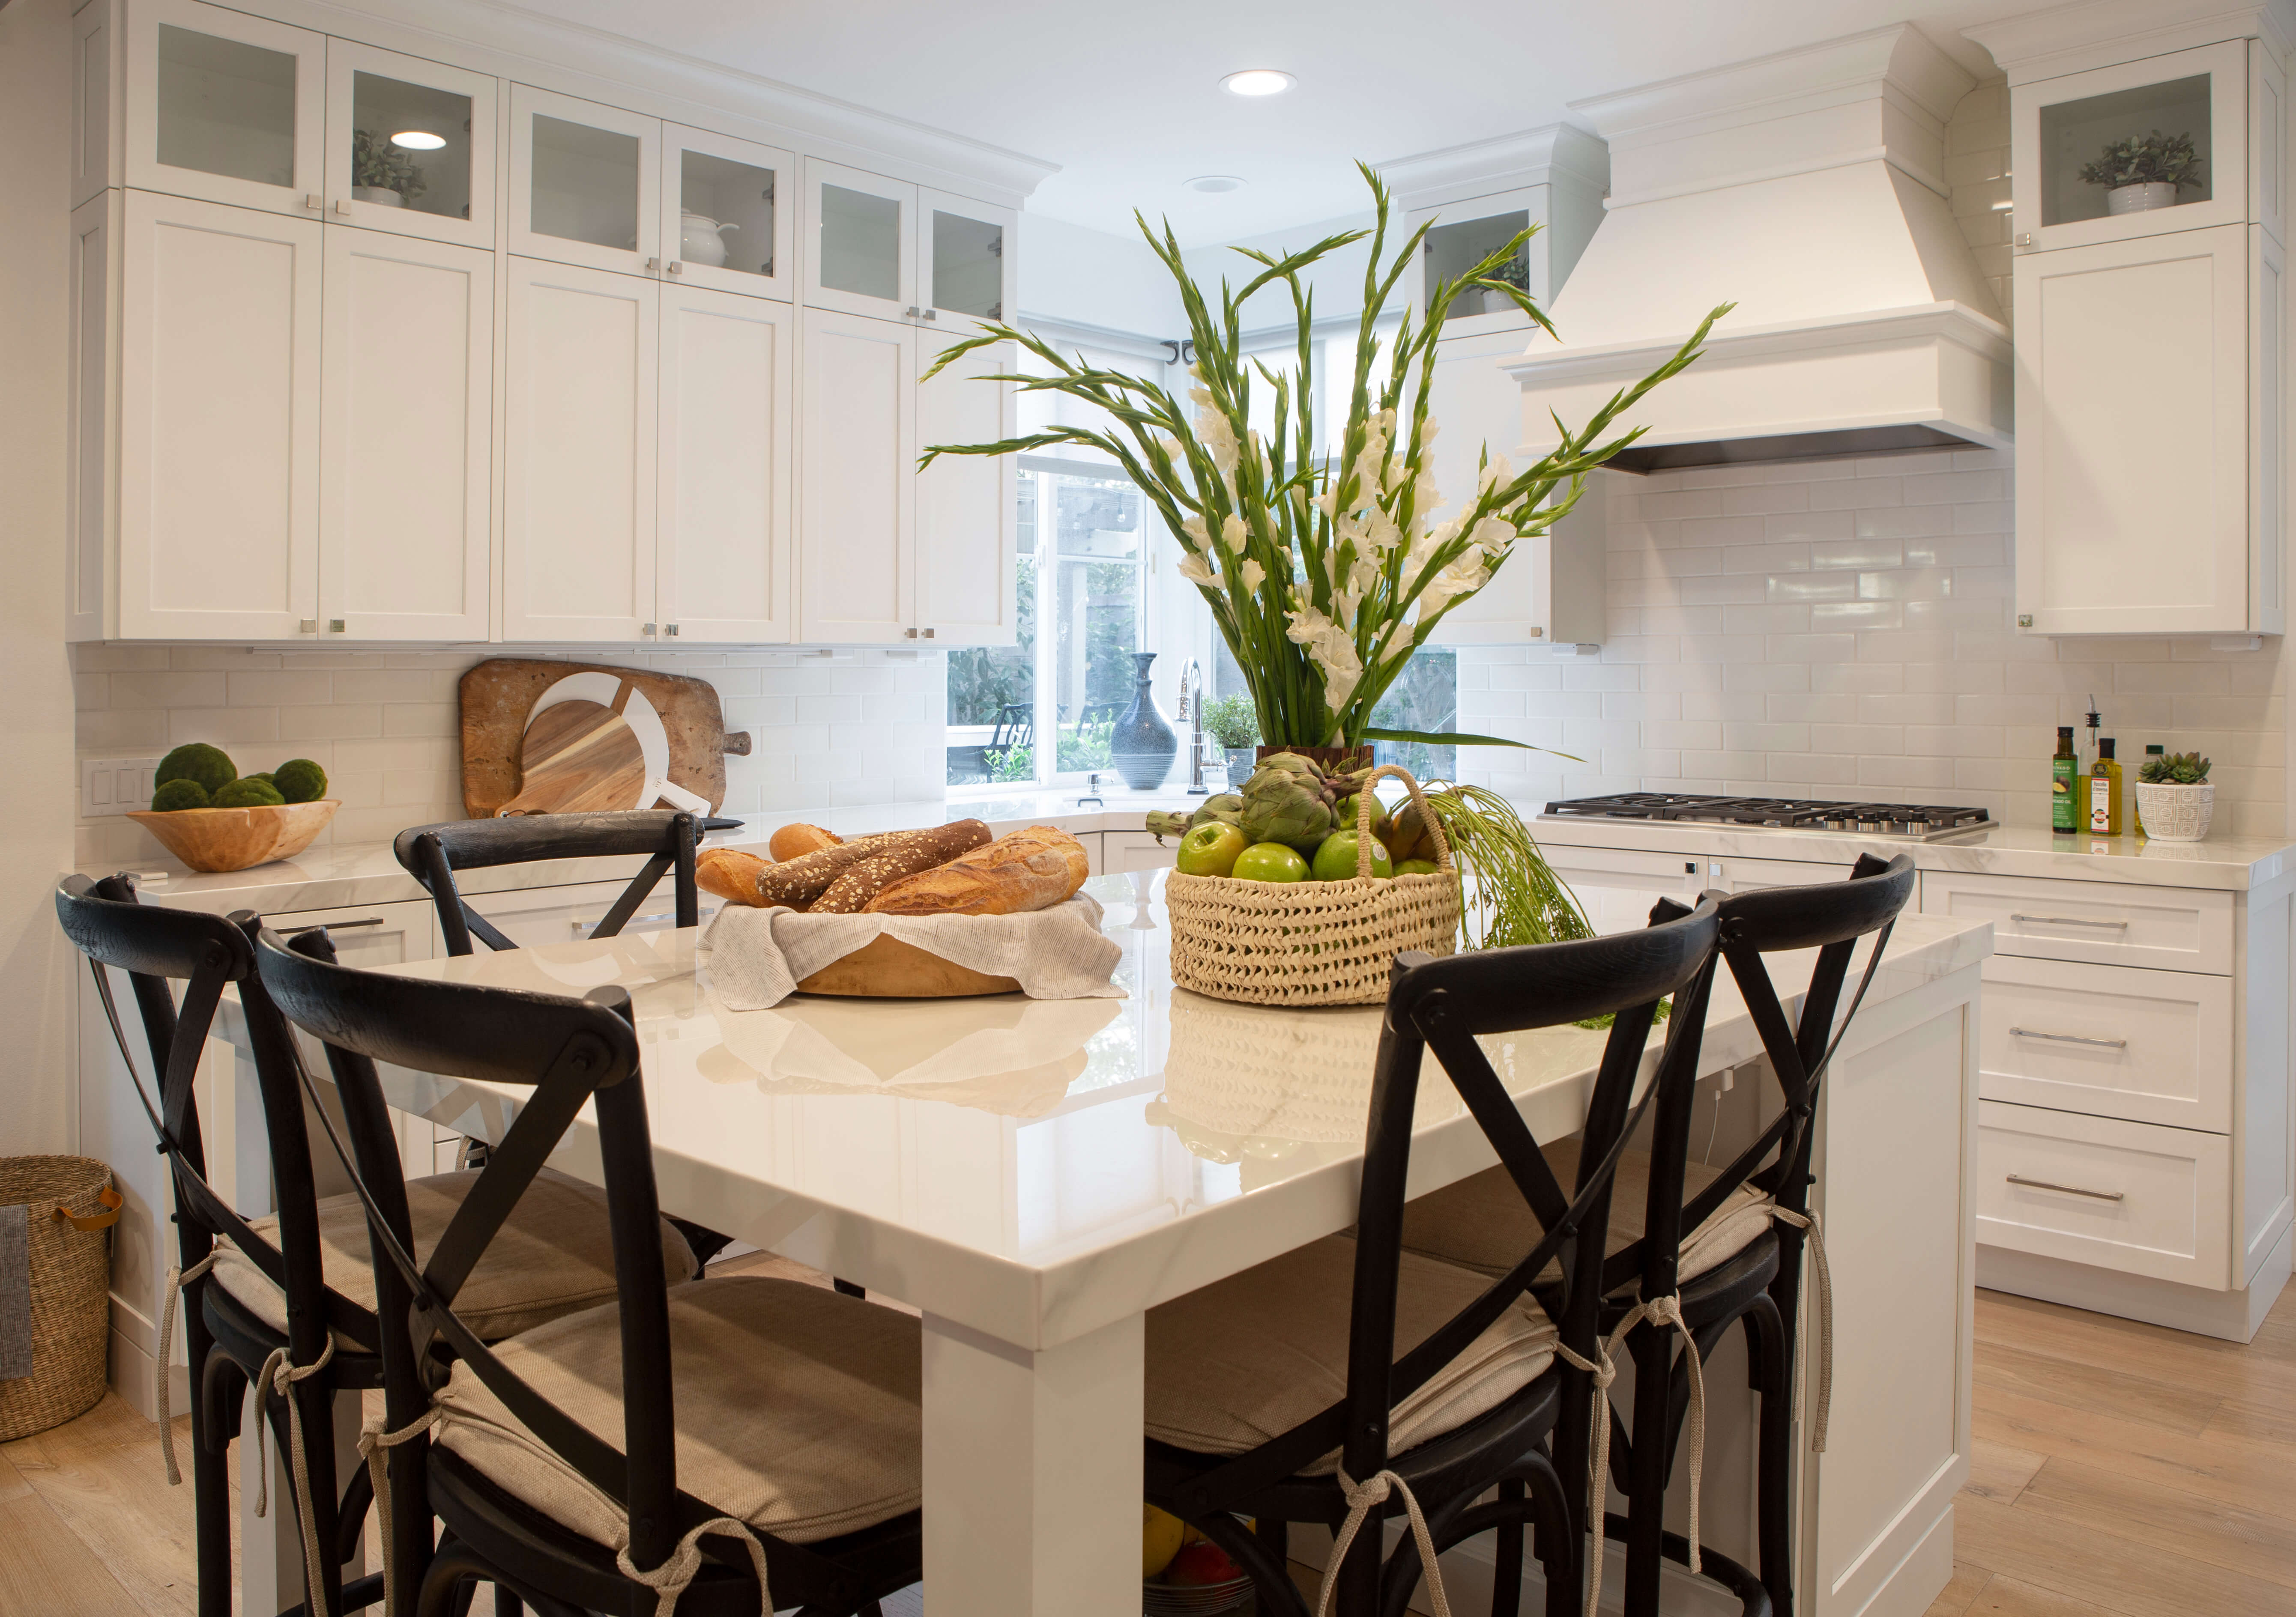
{"points": [[2064, 814], [2100, 803]]}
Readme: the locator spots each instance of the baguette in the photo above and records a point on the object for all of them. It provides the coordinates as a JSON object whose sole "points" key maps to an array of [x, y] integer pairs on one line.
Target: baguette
{"points": [[1031, 870], [901, 854], [796, 840], [731, 874]]}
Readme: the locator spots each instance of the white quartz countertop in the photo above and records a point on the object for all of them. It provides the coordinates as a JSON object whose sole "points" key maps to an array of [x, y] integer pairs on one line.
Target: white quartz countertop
{"points": [[2236, 864]]}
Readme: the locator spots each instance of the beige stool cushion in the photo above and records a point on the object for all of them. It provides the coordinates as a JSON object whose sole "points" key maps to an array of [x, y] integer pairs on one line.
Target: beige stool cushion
{"points": [[1247, 1358], [797, 1410], [1484, 1224], [553, 1255]]}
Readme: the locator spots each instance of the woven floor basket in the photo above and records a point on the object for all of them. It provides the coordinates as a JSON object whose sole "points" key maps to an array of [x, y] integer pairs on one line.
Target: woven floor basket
{"points": [[1312, 942], [72, 1284]]}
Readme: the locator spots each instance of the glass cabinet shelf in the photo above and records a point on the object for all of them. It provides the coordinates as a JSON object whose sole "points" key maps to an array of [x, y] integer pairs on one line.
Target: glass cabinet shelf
{"points": [[226, 107], [2103, 155], [410, 146], [1451, 251]]}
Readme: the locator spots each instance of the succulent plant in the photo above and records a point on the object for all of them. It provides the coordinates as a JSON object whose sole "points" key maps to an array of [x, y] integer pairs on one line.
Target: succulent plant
{"points": [[2176, 769]]}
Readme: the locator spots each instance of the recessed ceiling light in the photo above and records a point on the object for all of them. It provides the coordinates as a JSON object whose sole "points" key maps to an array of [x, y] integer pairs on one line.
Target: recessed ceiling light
{"points": [[1257, 81], [418, 139], [1212, 184]]}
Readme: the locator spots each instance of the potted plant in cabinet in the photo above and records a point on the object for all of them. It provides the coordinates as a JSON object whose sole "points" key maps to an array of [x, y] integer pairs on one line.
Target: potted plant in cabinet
{"points": [[382, 176], [2174, 797], [2144, 172]]}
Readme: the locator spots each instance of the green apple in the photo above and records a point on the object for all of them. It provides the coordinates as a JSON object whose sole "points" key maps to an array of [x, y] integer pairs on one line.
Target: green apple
{"points": [[1336, 858], [1415, 867], [1269, 862], [1210, 849], [1343, 817]]}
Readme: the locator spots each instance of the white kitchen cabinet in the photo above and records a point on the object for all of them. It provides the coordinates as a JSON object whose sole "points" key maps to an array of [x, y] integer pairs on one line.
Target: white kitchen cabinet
{"points": [[406, 438], [533, 918], [383, 170], [98, 154], [2111, 1040], [1123, 851], [224, 107], [2139, 456], [579, 451], [218, 421], [584, 183], [860, 242], [965, 269], [857, 523], [726, 560], [728, 209], [1478, 196], [965, 504], [2097, 922]]}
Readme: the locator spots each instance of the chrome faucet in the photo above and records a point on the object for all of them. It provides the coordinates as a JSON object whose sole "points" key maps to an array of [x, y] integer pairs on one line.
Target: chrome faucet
{"points": [[1192, 714]]}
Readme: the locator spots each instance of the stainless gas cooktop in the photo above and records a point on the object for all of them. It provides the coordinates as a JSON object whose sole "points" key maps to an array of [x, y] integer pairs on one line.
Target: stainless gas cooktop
{"points": [[1900, 821]]}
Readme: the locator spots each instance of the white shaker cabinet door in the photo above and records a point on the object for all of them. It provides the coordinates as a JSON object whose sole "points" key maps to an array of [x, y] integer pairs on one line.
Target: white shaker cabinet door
{"points": [[857, 489], [219, 422], [966, 576], [2133, 436], [579, 506], [726, 368], [405, 438]]}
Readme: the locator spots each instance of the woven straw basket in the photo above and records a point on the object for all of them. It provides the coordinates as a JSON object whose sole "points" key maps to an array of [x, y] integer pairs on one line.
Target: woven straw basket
{"points": [[1313, 942], [70, 1205]]}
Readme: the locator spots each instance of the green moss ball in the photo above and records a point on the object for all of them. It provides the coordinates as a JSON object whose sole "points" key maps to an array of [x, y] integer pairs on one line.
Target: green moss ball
{"points": [[300, 781], [248, 794], [260, 774], [179, 794], [197, 761]]}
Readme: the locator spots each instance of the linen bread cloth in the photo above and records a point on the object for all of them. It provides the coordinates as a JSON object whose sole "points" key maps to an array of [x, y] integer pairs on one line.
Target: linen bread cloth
{"points": [[759, 956]]}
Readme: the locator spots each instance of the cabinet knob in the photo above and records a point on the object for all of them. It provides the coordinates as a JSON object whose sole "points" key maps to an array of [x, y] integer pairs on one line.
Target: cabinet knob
{"points": [[669, 629], [913, 311], [648, 629], [652, 266], [929, 634], [910, 634], [2024, 620], [315, 204], [334, 625], [306, 625], [342, 206], [676, 268]]}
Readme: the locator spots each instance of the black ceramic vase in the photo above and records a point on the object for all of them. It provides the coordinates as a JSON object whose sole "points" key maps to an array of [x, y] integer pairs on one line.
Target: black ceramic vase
{"points": [[1142, 747]]}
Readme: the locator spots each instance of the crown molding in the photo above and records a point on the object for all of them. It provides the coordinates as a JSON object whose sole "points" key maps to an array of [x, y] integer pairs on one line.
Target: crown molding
{"points": [[2095, 33], [1552, 154]]}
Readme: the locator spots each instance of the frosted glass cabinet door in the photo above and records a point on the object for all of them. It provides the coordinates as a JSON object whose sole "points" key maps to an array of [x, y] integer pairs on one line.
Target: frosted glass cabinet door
{"points": [[857, 489], [219, 419], [860, 249], [726, 369], [584, 183], [966, 502], [410, 145], [728, 208], [965, 265], [225, 106], [578, 454], [405, 434]]}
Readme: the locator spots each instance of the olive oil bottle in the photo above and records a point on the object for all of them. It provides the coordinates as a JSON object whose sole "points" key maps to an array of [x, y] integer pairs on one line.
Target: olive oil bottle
{"points": [[2105, 792], [2065, 810]]}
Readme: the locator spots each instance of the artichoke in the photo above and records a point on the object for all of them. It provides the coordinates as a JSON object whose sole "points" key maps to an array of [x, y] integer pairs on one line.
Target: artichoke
{"points": [[1168, 822], [1291, 763], [1283, 805], [1228, 807]]}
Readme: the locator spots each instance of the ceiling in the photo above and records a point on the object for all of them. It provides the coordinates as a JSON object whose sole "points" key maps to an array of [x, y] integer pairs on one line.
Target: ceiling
{"points": [[1126, 99]]}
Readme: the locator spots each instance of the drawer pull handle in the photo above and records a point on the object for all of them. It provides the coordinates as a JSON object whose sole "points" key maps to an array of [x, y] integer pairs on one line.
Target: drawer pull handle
{"points": [[371, 920], [2067, 920], [2035, 1033], [582, 929], [2042, 1184]]}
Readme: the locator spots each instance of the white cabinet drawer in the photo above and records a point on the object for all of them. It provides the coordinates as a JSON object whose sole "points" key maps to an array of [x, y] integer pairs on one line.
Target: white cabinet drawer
{"points": [[2131, 1196], [1122, 851], [534, 916], [2108, 923], [2118, 1041]]}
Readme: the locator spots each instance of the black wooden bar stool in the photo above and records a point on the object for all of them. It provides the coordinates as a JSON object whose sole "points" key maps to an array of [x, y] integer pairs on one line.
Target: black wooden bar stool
{"points": [[668, 839]]}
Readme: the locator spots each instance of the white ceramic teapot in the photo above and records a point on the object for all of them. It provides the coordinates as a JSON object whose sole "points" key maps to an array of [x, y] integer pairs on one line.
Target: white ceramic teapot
{"points": [[701, 239]]}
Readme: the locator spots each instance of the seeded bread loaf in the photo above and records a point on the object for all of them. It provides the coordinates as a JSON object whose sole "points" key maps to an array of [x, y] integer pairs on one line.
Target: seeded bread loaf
{"points": [[1031, 870], [902, 854], [793, 884]]}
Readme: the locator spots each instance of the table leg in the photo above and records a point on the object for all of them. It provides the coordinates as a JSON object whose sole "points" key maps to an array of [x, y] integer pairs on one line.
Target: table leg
{"points": [[271, 1546], [1032, 1473]]}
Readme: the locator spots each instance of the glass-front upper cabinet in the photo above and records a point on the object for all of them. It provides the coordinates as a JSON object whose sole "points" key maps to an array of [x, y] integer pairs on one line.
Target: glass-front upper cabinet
{"points": [[965, 260], [410, 145], [2169, 143], [860, 249], [1464, 233], [728, 209], [584, 183], [225, 106]]}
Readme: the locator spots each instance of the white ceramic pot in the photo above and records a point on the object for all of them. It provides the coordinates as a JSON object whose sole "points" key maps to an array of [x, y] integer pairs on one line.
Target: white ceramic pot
{"points": [[701, 239], [1496, 302], [377, 196], [2140, 198], [2176, 813]]}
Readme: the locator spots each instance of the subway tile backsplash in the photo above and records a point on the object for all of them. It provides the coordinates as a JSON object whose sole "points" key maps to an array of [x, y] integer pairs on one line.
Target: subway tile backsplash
{"points": [[855, 727]]}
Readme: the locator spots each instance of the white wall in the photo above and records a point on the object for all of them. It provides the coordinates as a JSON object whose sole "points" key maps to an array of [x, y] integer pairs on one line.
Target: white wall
{"points": [[1069, 272], [1336, 279], [37, 784]]}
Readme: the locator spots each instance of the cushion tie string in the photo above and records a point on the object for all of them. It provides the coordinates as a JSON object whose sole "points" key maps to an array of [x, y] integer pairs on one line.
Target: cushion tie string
{"points": [[668, 1580], [280, 1374], [177, 1278], [375, 1446], [1361, 1498], [1810, 1223]]}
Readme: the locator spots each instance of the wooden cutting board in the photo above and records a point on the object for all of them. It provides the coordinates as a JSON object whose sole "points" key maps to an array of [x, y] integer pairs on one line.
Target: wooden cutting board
{"points": [[498, 697], [578, 758]]}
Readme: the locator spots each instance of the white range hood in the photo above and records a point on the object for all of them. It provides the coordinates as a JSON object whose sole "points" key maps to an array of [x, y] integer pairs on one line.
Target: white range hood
{"points": [[1808, 188]]}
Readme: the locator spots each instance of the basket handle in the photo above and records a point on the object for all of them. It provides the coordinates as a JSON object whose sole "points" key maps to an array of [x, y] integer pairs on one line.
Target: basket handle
{"points": [[1364, 803], [111, 1199]]}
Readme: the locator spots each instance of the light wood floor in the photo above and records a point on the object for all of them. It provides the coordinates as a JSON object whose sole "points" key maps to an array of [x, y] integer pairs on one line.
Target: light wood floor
{"points": [[2119, 1469]]}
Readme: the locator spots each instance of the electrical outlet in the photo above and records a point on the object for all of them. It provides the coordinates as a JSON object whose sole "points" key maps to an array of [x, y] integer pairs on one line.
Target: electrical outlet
{"points": [[113, 786]]}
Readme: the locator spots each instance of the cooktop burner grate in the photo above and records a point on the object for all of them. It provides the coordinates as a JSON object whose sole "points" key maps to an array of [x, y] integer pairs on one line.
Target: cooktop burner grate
{"points": [[1915, 820]]}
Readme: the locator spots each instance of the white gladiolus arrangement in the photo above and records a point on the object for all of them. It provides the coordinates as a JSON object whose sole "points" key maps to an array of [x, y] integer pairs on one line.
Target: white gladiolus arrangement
{"points": [[1323, 576]]}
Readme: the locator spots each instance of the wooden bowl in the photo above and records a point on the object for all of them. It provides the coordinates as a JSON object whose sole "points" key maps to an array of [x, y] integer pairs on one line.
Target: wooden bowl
{"points": [[887, 969], [216, 839]]}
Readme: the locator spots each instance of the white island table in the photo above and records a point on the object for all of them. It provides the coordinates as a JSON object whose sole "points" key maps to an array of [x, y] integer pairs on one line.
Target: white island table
{"points": [[1034, 1176]]}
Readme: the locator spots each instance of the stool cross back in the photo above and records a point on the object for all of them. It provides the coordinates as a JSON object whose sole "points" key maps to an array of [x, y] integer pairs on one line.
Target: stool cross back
{"points": [[432, 853]]}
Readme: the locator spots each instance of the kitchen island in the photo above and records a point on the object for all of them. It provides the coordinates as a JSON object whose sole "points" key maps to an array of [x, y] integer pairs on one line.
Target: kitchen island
{"points": [[1034, 1176]]}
